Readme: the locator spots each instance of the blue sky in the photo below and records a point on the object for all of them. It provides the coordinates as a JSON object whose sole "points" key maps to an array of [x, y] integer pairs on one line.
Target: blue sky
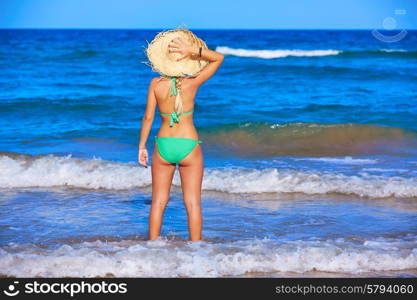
{"points": [[211, 14]]}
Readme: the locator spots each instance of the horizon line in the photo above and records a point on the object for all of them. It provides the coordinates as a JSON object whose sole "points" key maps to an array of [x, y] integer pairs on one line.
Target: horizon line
{"points": [[144, 28]]}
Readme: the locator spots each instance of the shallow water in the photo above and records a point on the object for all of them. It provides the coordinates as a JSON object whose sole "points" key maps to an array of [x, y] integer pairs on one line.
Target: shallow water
{"points": [[270, 235]]}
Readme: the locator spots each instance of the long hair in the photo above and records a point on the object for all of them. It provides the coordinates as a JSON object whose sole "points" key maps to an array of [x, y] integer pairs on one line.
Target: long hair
{"points": [[178, 107]]}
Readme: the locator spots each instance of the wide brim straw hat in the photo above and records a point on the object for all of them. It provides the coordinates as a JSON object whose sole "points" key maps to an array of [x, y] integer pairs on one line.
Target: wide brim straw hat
{"points": [[165, 63]]}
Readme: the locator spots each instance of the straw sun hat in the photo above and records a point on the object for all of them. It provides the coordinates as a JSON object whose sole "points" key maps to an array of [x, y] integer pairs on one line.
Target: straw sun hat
{"points": [[165, 63]]}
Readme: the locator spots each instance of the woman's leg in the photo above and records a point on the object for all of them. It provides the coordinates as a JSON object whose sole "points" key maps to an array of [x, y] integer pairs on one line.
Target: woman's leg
{"points": [[191, 171], [162, 174]]}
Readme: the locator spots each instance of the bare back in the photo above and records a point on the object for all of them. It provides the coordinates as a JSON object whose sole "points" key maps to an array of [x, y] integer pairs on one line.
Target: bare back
{"points": [[185, 127]]}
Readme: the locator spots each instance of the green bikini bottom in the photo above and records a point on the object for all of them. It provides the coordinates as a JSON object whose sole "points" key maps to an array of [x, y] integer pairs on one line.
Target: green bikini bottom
{"points": [[175, 149]]}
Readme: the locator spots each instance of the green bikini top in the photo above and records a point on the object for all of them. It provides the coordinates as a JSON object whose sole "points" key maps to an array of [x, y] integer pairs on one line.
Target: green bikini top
{"points": [[174, 116]]}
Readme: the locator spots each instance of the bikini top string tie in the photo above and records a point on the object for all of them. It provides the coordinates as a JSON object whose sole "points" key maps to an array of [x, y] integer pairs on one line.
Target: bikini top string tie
{"points": [[174, 118], [174, 92]]}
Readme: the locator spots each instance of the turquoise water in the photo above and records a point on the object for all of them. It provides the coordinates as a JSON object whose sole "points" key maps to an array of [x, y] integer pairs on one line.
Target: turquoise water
{"points": [[309, 140]]}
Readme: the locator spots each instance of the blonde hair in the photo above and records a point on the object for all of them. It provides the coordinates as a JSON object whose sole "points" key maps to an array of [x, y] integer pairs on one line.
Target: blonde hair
{"points": [[178, 107]]}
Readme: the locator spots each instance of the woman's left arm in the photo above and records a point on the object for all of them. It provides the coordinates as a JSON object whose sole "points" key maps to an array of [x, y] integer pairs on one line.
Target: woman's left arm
{"points": [[147, 121]]}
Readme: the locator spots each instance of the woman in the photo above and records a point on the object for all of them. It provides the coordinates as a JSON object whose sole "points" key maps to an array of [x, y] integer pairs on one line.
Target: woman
{"points": [[177, 140]]}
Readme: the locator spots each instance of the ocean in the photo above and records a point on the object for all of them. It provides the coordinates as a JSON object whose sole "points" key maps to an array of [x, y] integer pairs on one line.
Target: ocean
{"points": [[309, 141]]}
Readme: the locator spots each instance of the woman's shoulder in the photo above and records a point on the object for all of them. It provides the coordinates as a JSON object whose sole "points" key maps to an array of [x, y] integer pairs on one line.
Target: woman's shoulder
{"points": [[154, 81], [160, 78]]}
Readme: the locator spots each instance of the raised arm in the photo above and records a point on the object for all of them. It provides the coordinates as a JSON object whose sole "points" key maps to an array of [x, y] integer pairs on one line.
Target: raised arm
{"points": [[147, 121], [193, 51]]}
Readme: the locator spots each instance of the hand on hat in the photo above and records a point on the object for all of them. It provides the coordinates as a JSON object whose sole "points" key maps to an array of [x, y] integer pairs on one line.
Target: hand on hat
{"points": [[179, 45]]}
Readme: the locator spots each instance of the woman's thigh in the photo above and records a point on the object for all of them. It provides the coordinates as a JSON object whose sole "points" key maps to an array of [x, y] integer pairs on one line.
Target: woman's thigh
{"points": [[162, 175], [191, 171]]}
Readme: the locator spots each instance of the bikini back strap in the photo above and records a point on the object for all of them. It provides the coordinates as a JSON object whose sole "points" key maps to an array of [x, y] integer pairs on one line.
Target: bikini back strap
{"points": [[176, 117], [187, 113]]}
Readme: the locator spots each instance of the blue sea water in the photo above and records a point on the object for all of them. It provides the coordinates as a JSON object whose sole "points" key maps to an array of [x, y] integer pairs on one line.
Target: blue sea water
{"points": [[310, 148]]}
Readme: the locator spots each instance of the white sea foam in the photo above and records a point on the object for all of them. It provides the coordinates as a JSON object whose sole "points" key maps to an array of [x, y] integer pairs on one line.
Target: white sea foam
{"points": [[385, 170], [162, 258], [280, 53], [344, 160], [393, 50], [308, 182], [50, 171]]}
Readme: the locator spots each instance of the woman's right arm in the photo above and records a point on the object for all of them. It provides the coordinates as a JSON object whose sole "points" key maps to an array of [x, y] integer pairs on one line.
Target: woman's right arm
{"points": [[215, 59]]}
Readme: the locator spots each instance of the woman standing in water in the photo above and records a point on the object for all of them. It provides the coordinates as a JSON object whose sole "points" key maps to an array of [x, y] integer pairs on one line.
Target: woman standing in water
{"points": [[185, 63]]}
